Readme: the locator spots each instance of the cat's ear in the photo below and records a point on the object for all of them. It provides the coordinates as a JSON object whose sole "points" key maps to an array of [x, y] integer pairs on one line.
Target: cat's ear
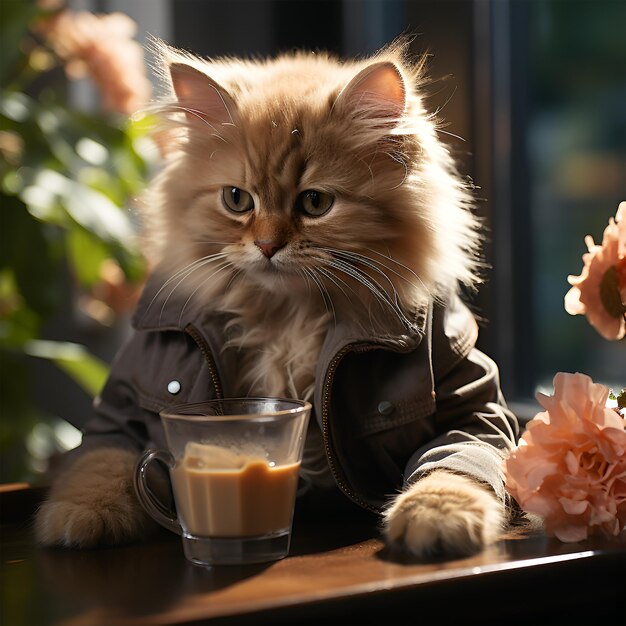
{"points": [[377, 92], [202, 99]]}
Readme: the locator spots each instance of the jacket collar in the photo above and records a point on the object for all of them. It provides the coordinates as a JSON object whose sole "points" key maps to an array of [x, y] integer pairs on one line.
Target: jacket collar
{"points": [[163, 307]]}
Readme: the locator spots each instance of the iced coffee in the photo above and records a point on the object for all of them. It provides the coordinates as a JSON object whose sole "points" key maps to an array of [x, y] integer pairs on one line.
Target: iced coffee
{"points": [[234, 468], [222, 493]]}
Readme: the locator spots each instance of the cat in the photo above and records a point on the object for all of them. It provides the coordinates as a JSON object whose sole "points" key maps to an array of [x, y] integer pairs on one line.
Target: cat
{"points": [[308, 202]]}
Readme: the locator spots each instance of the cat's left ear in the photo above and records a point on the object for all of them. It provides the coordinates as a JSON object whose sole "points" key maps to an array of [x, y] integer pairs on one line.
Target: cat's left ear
{"points": [[200, 96], [377, 92]]}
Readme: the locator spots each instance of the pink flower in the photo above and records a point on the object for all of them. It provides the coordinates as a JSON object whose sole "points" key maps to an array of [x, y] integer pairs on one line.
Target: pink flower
{"points": [[600, 290], [102, 47], [570, 464]]}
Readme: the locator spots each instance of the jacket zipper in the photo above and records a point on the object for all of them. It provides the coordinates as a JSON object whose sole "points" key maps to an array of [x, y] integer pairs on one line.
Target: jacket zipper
{"points": [[208, 357], [336, 471]]}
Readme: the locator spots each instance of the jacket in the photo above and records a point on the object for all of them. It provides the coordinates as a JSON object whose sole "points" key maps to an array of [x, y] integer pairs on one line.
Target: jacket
{"points": [[390, 408]]}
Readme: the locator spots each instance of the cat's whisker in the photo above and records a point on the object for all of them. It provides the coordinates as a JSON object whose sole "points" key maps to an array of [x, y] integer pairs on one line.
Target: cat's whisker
{"points": [[307, 279], [317, 283], [218, 270], [363, 260], [193, 268], [232, 280], [381, 295], [329, 275], [369, 259], [325, 290], [328, 263], [402, 265], [303, 275], [324, 293], [169, 295], [361, 278], [306, 274], [354, 272], [368, 262], [187, 268]]}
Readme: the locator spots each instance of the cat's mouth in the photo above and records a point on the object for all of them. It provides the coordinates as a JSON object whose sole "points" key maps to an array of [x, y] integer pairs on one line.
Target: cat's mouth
{"points": [[277, 274], [270, 267]]}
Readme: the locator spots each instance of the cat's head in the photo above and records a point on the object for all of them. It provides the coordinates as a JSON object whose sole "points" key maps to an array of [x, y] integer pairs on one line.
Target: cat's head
{"points": [[306, 174]]}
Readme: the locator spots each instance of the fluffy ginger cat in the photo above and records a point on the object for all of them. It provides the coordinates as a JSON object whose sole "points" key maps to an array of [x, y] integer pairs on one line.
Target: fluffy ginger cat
{"points": [[309, 234]]}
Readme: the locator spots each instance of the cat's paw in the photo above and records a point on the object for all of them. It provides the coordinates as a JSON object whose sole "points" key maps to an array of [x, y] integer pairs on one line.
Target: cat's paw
{"points": [[444, 514], [93, 503]]}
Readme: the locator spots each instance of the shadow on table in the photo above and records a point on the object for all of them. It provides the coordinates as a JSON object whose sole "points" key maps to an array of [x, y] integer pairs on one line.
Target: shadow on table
{"points": [[326, 520], [146, 578], [138, 579]]}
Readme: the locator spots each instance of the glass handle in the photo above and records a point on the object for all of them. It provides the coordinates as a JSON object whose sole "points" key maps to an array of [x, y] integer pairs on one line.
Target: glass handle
{"points": [[157, 510]]}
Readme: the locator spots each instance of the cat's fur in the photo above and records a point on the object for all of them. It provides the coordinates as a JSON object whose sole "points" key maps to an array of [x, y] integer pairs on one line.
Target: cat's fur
{"points": [[360, 131]]}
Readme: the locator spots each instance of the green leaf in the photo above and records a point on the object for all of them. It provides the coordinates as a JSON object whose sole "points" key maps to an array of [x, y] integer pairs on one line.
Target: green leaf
{"points": [[18, 115], [84, 368], [16, 106], [16, 17], [132, 263], [87, 207], [86, 254], [30, 249], [18, 324]]}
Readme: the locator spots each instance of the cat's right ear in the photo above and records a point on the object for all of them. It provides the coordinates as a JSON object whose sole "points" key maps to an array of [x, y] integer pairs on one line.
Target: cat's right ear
{"points": [[200, 97], [377, 92]]}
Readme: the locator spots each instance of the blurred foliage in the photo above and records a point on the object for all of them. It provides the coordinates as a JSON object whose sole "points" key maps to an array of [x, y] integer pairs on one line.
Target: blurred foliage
{"points": [[66, 179]]}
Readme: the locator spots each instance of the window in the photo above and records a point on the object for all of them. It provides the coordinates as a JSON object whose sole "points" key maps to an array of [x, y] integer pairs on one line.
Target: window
{"points": [[553, 148]]}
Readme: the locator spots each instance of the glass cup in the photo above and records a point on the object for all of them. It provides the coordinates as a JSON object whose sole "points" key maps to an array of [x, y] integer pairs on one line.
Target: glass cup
{"points": [[234, 468]]}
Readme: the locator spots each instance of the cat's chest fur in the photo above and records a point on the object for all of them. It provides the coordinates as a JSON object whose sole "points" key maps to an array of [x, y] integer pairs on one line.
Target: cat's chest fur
{"points": [[277, 351]]}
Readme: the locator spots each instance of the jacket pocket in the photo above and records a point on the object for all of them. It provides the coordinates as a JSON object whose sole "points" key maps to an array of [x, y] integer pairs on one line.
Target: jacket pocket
{"points": [[390, 414], [172, 372], [380, 390]]}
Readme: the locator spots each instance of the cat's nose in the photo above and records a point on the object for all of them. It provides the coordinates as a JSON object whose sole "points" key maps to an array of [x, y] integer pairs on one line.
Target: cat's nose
{"points": [[268, 248]]}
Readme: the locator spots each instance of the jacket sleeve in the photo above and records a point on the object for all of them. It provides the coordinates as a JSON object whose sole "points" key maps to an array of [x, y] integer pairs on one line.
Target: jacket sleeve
{"points": [[473, 425]]}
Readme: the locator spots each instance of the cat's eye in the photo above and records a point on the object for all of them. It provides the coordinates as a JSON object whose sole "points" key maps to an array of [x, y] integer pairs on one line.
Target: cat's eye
{"points": [[314, 203], [237, 200]]}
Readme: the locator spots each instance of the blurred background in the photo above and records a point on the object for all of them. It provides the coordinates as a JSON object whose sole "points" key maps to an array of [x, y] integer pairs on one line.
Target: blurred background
{"points": [[534, 92]]}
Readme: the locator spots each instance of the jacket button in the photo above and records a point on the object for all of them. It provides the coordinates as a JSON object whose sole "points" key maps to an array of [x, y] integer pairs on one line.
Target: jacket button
{"points": [[173, 387], [385, 407]]}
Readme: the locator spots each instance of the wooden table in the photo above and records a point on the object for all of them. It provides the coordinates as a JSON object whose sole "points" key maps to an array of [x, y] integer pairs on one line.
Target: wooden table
{"points": [[339, 572]]}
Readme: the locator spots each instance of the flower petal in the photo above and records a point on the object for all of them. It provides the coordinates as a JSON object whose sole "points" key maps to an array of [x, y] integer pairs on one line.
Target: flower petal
{"points": [[571, 534], [571, 468], [571, 460], [574, 507]]}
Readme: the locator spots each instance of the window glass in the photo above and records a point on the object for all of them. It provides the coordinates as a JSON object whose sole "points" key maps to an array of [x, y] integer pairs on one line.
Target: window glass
{"points": [[576, 151]]}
